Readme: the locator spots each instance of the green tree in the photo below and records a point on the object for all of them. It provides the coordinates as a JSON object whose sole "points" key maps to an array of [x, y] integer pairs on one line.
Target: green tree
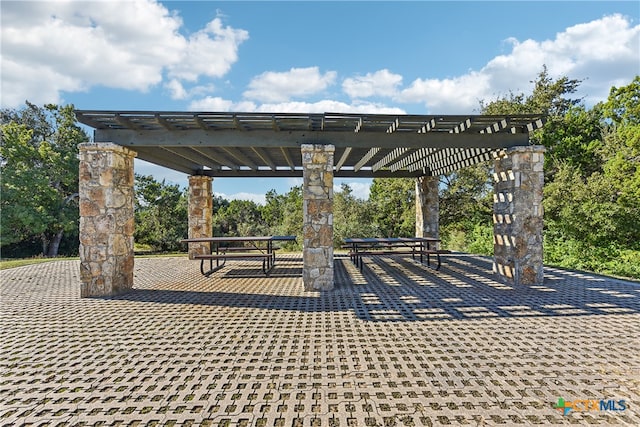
{"points": [[351, 217], [592, 214], [565, 139], [161, 214], [622, 153], [466, 195], [548, 97], [39, 166], [292, 219], [273, 210], [574, 139], [466, 209], [239, 218], [392, 202]]}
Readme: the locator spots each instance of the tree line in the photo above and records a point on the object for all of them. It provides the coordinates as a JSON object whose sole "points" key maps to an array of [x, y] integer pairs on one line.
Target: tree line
{"points": [[591, 195]]}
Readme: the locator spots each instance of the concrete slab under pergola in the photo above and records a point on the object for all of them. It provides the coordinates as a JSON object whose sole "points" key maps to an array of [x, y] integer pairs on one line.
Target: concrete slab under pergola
{"points": [[317, 147]]}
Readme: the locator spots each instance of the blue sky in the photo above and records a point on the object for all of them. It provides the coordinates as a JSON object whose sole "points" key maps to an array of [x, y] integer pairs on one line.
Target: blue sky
{"points": [[375, 57]]}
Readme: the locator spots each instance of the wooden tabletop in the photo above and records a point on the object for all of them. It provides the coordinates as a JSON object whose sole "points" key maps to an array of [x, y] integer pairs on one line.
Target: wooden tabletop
{"points": [[239, 239], [387, 240]]}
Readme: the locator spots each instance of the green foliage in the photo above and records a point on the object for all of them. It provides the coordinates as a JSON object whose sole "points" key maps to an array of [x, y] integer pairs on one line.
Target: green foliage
{"points": [[39, 175], [292, 222], [592, 173], [392, 204], [468, 237], [161, 214], [579, 255], [574, 139], [622, 143], [351, 217], [280, 215], [547, 97], [466, 210], [239, 218], [480, 239], [283, 215], [467, 196], [592, 214], [589, 210], [591, 198], [272, 212], [623, 105]]}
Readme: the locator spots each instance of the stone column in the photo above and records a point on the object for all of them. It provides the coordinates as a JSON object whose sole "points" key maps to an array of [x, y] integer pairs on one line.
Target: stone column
{"points": [[427, 207], [106, 219], [517, 217], [200, 213], [317, 252]]}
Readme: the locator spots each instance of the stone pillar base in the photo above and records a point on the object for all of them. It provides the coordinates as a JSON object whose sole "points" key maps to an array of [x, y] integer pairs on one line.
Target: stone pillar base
{"points": [[106, 219], [200, 213], [517, 218], [317, 252], [427, 207]]}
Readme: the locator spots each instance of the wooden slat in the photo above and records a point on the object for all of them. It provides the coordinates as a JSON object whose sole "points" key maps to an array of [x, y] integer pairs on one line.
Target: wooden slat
{"points": [[264, 143], [394, 154], [412, 158], [372, 152], [343, 158], [287, 157], [163, 157], [459, 158], [265, 157], [126, 122], [214, 159], [238, 155], [461, 127]]}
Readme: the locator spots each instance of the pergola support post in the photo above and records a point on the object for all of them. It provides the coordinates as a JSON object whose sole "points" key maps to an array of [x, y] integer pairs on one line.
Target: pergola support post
{"points": [[518, 215], [106, 219], [427, 207], [317, 252], [200, 213]]}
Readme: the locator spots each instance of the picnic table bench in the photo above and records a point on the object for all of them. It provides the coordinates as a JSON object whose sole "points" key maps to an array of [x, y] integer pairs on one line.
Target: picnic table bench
{"points": [[414, 246], [222, 249]]}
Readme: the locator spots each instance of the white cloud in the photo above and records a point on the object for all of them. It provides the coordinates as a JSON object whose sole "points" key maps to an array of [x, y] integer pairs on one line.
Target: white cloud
{"points": [[603, 53], [220, 104], [330, 106], [380, 83], [449, 96], [272, 86], [260, 199], [53, 47], [176, 89], [209, 52], [360, 188], [216, 103]]}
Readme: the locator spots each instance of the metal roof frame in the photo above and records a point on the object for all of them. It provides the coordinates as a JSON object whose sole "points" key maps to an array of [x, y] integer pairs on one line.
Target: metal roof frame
{"points": [[233, 144]]}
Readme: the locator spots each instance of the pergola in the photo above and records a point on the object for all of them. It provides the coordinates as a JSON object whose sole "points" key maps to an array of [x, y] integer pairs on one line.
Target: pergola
{"points": [[316, 147]]}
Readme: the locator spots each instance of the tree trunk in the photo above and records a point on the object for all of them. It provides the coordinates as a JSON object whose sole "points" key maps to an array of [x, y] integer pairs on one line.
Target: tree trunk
{"points": [[45, 244], [54, 245]]}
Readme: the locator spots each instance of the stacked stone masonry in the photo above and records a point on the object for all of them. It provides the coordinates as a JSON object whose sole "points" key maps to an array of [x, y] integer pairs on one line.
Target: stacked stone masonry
{"points": [[518, 222], [427, 207], [106, 219], [200, 213], [318, 216]]}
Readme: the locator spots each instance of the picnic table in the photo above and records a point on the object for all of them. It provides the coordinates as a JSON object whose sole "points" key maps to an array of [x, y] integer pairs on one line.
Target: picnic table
{"points": [[223, 248], [414, 246]]}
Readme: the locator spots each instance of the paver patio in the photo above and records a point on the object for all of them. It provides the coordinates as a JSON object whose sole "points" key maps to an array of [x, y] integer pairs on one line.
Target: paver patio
{"points": [[398, 344]]}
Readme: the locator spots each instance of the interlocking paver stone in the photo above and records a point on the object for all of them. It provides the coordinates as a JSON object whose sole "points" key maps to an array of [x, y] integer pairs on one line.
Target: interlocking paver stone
{"points": [[397, 344]]}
